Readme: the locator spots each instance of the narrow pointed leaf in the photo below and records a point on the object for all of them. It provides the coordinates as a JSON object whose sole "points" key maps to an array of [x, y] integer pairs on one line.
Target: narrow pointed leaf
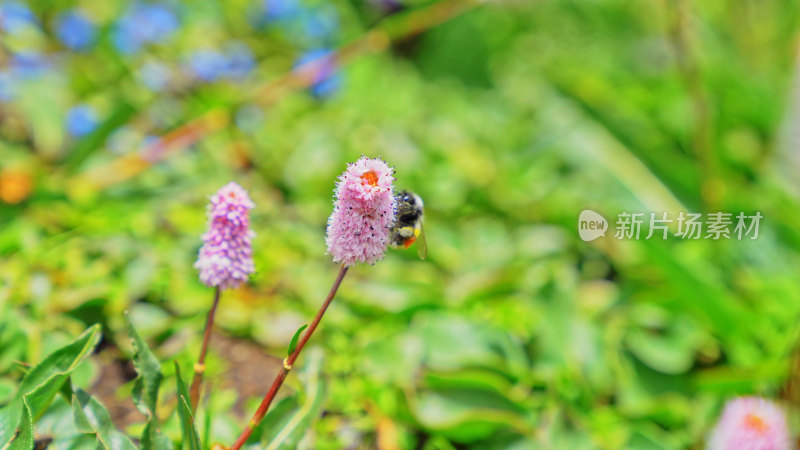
{"points": [[91, 416], [42, 382], [24, 440], [295, 338], [187, 423], [145, 390], [188, 427]]}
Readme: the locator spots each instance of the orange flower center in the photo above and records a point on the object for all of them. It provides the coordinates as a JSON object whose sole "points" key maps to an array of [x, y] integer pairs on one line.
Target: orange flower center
{"points": [[371, 177], [756, 423]]}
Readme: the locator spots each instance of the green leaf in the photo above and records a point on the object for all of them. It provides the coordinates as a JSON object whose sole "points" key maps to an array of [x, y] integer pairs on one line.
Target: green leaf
{"points": [[58, 424], [467, 413], [24, 441], [182, 390], [145, 390], [188, 427], [207, 425], [293, 343], [43, 382], [94, 141], [287, 423], [187, 424], [91, 417], [667, 352]]}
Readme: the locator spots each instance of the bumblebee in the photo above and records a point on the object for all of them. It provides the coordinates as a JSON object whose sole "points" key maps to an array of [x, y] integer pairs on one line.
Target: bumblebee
{"points": [[407, 227]]}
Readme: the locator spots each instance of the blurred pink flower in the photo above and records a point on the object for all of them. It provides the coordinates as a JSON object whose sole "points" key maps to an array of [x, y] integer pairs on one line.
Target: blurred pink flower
{"points": [[363, 213], [750, 423], [226, 258]]}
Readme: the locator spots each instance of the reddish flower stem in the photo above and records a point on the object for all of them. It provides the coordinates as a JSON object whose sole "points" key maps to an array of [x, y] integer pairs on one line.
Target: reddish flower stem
{"points": [[287, 364], [200, 367]]}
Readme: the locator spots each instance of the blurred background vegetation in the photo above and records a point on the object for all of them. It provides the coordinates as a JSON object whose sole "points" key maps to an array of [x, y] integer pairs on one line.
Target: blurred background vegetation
{"points": [[508, 119]]}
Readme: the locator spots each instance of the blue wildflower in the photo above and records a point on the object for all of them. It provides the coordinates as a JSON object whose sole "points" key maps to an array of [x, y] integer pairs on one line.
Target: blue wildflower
{"points": [[75, 31], [207, 65], [277, 10], [15, 16], [327, 78], [327, 87], [239, 59], [141, 24], [81, 120]]}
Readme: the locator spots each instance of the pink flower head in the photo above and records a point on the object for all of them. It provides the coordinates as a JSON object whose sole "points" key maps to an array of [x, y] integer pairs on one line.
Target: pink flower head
{"points": [[226, 258], [360, 226], [750, 423]]}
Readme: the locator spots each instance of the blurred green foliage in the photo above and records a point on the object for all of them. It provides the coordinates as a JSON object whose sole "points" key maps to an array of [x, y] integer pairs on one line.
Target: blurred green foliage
{"points": [[508, 120]]}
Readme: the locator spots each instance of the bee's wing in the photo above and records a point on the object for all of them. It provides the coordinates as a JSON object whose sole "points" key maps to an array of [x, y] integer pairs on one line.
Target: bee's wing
{"points": [[422, 244]]}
